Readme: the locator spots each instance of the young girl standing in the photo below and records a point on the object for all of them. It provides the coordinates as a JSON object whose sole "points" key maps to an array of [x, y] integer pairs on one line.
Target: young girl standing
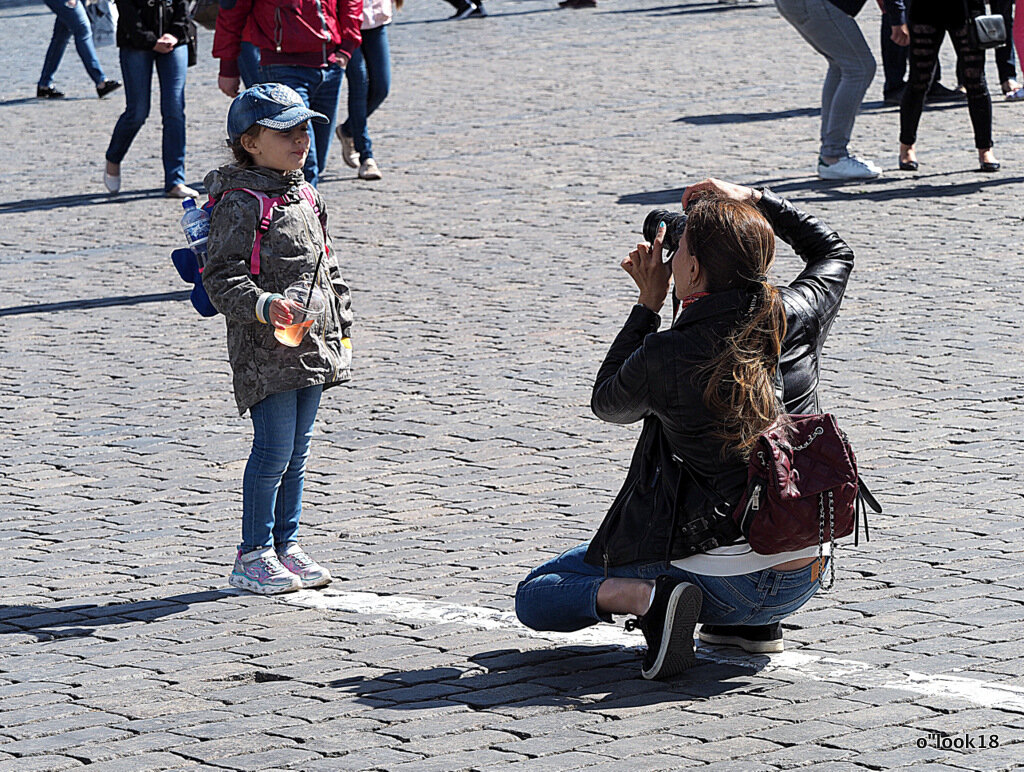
{"points": [[279, 385]]}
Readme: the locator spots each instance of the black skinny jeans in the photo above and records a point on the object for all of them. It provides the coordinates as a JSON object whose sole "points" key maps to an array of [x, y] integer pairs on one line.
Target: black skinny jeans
{"points": [[929, 21]]}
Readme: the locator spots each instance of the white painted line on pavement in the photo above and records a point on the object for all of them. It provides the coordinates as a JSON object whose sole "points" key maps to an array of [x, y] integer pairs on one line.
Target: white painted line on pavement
{"points": [[813, 667]]}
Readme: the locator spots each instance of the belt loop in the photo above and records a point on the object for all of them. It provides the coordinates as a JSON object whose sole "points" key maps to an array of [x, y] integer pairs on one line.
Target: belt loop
{"points": [[777, 584], [762, 582]]}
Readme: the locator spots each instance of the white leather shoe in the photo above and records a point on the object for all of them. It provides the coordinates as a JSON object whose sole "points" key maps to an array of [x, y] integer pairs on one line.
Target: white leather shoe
{"points": [[349, 154], [112, 182], [368, 170]]}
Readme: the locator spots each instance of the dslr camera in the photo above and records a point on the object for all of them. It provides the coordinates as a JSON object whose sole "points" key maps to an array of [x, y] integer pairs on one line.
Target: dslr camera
{"points": [[675, 224]]}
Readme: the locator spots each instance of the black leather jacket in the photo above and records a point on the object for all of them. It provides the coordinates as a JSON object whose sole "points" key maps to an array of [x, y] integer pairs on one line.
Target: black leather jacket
{"points": [[652, 376], [140, 23]]}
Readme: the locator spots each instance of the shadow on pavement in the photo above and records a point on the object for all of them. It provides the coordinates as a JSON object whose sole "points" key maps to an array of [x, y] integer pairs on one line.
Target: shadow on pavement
{"points": [[490, 15], [909, 186], [682, 9], [715, 119], [83, 199], [77, 621], [583, 677], [77, 305]]}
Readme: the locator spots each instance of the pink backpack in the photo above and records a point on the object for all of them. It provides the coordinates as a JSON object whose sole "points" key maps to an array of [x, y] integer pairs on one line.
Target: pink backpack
{"points": [[187, 264], [267, 204]]}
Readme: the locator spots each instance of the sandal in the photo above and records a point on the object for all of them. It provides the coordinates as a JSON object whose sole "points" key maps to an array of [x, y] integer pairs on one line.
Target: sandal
{"points": [[1010, 86], [1016, 96]]}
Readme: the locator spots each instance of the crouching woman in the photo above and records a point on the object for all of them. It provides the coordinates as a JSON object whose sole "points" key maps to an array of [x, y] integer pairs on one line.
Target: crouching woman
{"points": [[741, 352]]}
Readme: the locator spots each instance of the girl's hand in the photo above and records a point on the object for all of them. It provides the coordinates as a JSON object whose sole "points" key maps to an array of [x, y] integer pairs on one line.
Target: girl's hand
{"points": [[280, 313], [651, 275], [722, 188]]}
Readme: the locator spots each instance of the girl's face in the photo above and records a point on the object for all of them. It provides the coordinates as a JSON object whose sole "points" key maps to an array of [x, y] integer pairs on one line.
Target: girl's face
{"points": [[283, 151]]}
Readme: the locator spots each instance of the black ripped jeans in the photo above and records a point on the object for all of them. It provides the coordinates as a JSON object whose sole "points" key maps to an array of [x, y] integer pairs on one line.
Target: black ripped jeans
{"points": [[929, 22]]}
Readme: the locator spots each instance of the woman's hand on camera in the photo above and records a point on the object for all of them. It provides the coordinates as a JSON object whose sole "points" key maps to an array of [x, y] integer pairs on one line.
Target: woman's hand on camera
{"points": [[651, 275], [721, 188]]}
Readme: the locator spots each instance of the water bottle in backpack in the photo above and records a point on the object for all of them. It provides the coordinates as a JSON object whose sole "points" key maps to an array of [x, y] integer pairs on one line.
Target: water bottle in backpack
{"points": [[196, 225]]}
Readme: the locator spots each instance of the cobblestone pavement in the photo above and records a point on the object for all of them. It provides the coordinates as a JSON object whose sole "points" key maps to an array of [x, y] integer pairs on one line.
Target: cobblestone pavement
{"points": [[520, 154]]}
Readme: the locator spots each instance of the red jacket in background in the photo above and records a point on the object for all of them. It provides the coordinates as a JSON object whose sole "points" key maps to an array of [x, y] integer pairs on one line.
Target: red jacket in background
{"points": [[304, 32]]}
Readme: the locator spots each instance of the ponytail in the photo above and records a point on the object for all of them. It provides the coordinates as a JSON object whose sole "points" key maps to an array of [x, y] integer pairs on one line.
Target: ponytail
{"points": [[735, 246]]}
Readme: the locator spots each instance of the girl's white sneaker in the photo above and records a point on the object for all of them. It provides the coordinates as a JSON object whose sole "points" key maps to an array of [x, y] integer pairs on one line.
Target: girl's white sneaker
{"points": [[260, 571], [308, 571]]}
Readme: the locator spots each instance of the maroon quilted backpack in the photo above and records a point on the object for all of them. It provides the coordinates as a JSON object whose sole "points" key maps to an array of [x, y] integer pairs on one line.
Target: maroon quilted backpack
{"points": [[802, 488]]}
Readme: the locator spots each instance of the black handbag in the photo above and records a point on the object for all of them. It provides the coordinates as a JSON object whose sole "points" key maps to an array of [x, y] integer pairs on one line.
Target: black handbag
{"points": [[985, 31]]}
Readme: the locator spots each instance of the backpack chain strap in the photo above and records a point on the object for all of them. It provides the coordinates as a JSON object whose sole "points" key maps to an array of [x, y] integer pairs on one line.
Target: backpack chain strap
{"points": [[832, 536], [813, 436]]}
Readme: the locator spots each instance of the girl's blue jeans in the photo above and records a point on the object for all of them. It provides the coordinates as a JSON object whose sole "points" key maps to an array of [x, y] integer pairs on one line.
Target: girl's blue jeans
{"points": [[561, 594], [369, 80], [272, 483], [137, 71], [70, 21]]}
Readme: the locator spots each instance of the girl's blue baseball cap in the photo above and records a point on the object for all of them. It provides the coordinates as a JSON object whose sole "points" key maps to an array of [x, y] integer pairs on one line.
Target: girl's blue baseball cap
{"points": [[273, 105]]}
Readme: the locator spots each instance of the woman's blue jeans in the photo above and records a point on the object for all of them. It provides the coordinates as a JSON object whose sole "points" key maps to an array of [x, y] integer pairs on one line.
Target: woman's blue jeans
{"points": [[561, 594], [70, 21], [249, 64], [137, 71], [320, 89], [369, 80], [272, 482]]}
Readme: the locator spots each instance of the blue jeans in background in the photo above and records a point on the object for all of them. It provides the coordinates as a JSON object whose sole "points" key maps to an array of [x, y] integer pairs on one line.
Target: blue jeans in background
{"points": [[851, 66], [249, 64], [137, 70], [369, 80], [70, 21], [272, 483], [320, 89], [561, 595]]}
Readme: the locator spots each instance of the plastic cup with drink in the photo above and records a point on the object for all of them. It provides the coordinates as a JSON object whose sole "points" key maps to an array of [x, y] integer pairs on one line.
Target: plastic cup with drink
{"points": [[307, 305]]}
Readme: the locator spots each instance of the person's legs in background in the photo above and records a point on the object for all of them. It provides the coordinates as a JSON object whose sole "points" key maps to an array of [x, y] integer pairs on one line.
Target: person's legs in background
{"points": [[979, 103], [171, 69], [71, 21], [54, 55], [1018, 43], [369, 81], [137, 71], [894, 64], [837, 37], [323, 98], [355, 123], [1006, 64], [249, 64]]}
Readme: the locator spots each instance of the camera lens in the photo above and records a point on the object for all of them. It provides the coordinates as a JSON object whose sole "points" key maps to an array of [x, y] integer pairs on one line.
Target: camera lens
{"points": [[675, 224]]}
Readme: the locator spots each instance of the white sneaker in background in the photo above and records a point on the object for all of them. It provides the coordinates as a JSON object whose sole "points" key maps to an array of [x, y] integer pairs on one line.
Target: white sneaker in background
{"points": [[848, 168]]}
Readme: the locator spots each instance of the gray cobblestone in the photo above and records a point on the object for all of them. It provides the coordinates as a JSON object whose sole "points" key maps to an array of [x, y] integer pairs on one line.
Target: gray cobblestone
{"points": [[486, 282]]}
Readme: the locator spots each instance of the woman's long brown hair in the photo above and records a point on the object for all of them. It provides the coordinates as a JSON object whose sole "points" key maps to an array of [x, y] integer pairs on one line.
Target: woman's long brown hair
{"points": [[735, 247]]}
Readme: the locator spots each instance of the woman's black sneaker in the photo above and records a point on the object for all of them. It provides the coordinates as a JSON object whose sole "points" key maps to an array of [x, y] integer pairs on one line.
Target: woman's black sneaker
{"points": [[107, 86], [757, 639], [668, 627], [45, 92]]}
